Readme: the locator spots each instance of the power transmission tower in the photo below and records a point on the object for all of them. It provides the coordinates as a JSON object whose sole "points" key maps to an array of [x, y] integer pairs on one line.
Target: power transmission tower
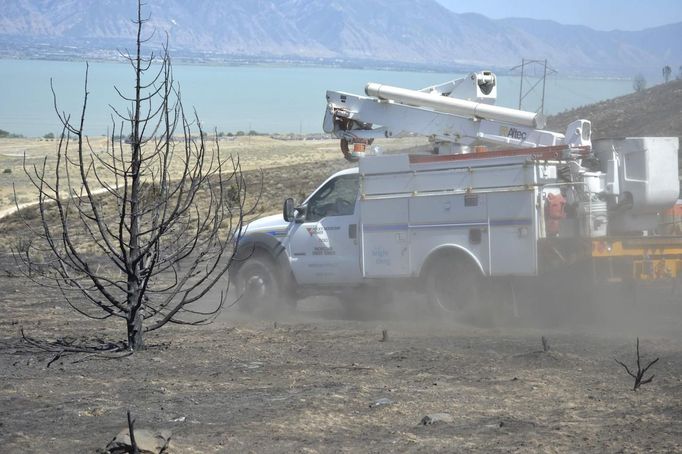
{"points": [[529, 68]]}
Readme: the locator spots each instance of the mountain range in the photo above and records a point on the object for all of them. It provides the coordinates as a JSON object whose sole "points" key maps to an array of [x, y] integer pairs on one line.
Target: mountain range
{"points": [[404, 33]]}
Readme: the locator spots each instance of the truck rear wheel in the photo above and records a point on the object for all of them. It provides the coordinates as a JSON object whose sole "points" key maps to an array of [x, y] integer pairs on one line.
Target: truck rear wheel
{"points": [[259, 285], [453, 287]]}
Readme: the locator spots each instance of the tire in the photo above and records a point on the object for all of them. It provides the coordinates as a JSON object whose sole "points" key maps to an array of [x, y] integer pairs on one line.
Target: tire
{"points": [[261, 286], [453, 287]]}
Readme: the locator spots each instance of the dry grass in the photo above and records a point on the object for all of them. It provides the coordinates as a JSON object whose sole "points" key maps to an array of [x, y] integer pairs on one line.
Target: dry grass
{"points": [[253, 152]]}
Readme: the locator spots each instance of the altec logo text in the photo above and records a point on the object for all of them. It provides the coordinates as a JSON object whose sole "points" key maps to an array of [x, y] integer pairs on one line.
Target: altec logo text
{"points": [[513, 133]]}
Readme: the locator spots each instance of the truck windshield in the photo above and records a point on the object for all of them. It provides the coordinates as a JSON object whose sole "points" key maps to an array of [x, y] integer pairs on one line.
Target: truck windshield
{"points": [[336, 198]]}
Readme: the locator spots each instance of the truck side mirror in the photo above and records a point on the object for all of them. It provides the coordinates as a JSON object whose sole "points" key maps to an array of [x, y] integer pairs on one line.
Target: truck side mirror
{"points": [[288, 210]]}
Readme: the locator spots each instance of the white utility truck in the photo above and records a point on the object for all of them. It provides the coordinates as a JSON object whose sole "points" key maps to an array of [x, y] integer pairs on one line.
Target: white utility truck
{"points": [[447, 222]]}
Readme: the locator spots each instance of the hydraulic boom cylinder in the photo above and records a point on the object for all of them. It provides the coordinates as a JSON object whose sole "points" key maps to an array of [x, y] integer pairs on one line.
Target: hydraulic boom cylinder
{"points": [[455, 106]]}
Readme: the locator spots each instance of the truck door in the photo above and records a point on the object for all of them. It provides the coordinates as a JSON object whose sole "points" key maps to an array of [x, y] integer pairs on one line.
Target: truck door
{"points": [[324, 248]]}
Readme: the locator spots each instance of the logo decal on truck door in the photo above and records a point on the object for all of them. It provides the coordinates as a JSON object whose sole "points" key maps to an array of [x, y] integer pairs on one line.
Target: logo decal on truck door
{"points": [[318, 229], [381, 256]]}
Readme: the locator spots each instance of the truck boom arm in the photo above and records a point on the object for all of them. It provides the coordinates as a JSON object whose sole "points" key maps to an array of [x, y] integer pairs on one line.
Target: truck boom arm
{"points": [[448, 121]]}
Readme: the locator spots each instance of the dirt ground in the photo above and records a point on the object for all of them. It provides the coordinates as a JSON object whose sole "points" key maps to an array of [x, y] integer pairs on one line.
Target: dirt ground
{"points": [[321, 380], [317, 380]]}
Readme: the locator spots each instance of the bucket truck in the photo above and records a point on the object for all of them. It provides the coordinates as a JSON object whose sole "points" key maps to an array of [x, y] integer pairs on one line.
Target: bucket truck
{"points": [[539, 203]]}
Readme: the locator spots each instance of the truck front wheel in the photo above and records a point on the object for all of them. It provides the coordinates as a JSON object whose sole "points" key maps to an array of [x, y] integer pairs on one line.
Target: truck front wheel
{"points": [[453, 287], [259, 285]]}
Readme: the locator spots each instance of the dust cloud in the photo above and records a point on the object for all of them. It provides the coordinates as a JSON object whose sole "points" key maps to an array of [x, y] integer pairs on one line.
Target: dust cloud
{"points": [[520, 305]]}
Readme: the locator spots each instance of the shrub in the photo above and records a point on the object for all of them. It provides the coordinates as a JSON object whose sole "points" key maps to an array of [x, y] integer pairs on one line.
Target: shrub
{"points": [[639, 83]]}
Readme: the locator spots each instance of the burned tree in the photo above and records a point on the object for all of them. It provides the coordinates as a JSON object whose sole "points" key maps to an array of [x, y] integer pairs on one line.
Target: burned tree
{"points": [[639, 375], [142, 230]]}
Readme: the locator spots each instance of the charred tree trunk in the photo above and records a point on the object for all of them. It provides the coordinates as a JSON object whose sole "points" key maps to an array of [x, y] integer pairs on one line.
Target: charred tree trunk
{"points": [[135, 331]]}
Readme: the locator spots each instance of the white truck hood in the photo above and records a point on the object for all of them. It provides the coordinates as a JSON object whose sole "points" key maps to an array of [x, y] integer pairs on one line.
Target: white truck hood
{"points": [[269, 224]]}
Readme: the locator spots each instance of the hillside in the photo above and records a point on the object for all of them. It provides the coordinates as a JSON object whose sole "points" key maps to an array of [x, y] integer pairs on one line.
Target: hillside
{"points": [[656, 111], [402, 33]]}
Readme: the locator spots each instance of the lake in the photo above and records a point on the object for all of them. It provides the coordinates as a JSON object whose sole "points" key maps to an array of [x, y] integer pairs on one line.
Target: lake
{"points": [[232, 98]]}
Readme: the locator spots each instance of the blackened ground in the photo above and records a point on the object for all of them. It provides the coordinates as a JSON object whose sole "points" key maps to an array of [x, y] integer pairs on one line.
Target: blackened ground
{"points": [[318, 381]]}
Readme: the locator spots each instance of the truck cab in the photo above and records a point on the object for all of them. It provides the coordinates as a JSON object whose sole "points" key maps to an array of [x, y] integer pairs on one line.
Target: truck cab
{"points": [[312, 248]]}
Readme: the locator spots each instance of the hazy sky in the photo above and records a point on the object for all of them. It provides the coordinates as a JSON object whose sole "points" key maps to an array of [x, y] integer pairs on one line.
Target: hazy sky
{"points": [[597, 14]]}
